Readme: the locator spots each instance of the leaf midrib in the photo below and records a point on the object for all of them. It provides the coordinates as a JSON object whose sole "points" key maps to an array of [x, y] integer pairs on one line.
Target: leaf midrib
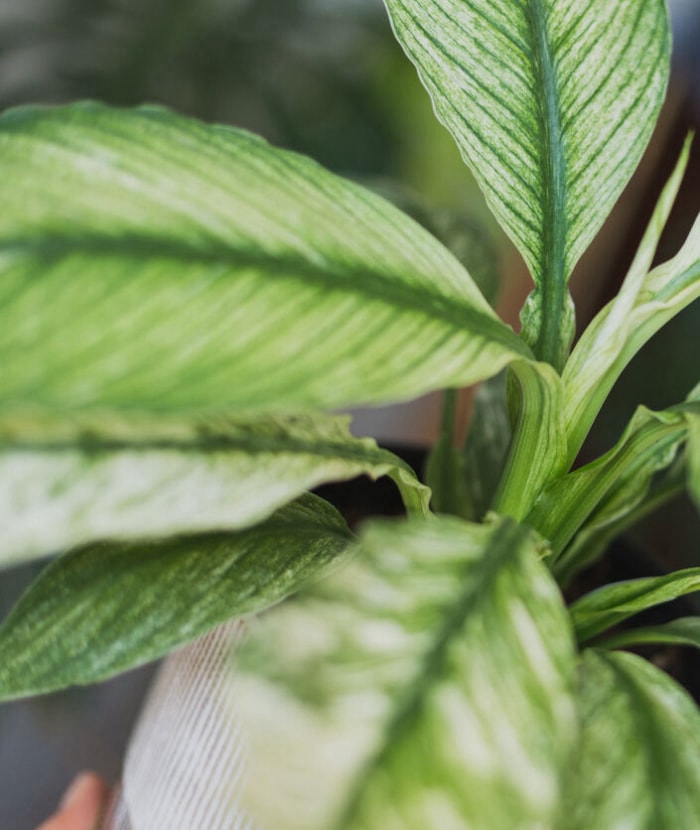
{"points": [[361, 280], [505, 540], [554, 229], [324, 449]]}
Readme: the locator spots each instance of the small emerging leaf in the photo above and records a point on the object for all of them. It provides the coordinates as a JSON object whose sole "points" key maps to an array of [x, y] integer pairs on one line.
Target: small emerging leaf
{"points": [[103, 609]]}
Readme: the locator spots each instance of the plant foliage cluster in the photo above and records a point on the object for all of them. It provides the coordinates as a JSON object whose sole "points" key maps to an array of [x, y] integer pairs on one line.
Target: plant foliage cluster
{"points": [[180, 306]]}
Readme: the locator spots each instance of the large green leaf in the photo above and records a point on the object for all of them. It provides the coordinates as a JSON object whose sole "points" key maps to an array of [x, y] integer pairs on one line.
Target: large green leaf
{"points": [[611, 604], [67, 483], [103, 609], [639, 758], [151, 262], [551, 103], [644, 304], [425, 685]]}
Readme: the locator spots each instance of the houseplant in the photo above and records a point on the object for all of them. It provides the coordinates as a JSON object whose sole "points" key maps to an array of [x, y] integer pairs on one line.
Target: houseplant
{"points": [[180, 305]]}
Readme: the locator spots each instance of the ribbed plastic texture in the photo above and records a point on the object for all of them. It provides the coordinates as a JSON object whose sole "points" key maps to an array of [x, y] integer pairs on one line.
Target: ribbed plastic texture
{"points": [[186, 758]]}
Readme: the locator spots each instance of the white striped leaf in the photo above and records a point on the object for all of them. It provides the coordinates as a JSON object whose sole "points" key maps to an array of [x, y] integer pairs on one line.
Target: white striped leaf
{"points": [[427, 684], [613, 485], [644, 304], [65, 483], [638, 764], [538, 437], [103, 609], [551, 103], [149, 262]]}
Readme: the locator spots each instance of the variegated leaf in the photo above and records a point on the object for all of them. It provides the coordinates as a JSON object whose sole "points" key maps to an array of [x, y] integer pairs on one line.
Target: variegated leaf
{"points": [[551, 103], [426, 684], [69, 482], [105, 608]]}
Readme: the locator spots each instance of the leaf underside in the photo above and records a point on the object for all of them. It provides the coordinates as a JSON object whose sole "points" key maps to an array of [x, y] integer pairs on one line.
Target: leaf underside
{"points": [[106, 608]]}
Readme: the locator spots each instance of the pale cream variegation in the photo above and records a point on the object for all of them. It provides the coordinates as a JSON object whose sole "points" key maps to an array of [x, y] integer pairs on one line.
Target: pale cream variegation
{"points": [[68, 482], [197, 269], [551, 103], [426, 684]]}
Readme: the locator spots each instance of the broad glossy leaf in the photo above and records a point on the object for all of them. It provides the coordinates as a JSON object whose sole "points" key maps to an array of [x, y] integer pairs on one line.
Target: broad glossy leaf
{"points": [[611, 604], [551, 105], [65, 483], [149, 262], [685, 631], [645, 303], [639, 759], [425, 685], [616, 481], [103, 609]]}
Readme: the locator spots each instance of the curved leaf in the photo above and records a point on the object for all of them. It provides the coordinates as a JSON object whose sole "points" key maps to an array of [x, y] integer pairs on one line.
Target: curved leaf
{"points": [[538, 449], [65, 483], [639, 759], [103, 609], [644, 304], [685, 631], [150, 262], [611, 604], [551, 105], [426, 684], [616, 482]]}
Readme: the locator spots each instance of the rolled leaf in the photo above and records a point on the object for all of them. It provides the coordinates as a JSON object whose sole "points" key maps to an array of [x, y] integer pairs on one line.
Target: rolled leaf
{"points": [[638, 762], [551, 105], [152, 263], [106, 608], [538, 449], [427, 684], [66, 483], [611, 604]]}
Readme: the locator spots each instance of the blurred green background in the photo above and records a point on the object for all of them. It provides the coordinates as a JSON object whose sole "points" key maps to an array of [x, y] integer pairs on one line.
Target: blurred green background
{"points": [[325, 78]]}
